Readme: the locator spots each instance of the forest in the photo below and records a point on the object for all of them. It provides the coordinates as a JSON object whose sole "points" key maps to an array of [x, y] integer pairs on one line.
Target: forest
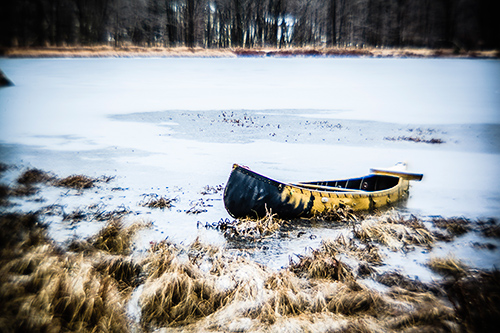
{"points": [[455, 24]]}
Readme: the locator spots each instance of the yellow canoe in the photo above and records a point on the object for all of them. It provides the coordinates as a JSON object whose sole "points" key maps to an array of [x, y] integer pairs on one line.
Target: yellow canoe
{"points": [[249, 194]]}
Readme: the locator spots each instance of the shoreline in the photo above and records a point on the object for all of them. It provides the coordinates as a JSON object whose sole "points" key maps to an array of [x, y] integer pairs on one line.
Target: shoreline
{"points": [[185, 52]]}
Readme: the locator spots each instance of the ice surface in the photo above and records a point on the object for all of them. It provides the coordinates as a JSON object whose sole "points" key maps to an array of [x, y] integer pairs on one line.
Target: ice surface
{"points": [[157, 125]]}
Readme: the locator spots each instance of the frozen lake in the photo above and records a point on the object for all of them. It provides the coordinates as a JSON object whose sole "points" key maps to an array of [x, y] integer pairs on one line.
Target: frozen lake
{"points": [[169, 126]]}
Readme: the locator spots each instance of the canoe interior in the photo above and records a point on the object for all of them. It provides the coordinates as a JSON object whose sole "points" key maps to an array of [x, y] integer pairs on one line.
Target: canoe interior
{"points": [[368, 183]]}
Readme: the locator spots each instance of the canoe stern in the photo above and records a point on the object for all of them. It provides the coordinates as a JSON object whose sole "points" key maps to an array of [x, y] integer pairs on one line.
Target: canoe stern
{"points": [[249, 194]]}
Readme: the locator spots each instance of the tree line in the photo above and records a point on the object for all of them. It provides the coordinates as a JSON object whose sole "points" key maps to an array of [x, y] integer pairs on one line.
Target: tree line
{"points": [[463, 24]]}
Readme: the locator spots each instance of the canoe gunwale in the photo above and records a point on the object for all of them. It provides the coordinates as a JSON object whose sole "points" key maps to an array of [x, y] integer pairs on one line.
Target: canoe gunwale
{"points": [[338, 192]]}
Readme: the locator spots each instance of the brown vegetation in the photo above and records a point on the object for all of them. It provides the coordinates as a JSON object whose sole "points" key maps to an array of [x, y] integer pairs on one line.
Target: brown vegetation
{"points": [[44, 289], [489, 228], [207, 190], [48, 289], [176, 292], [476, 298], [415, 139], [77, 182], [4, 195], [137, 51], [394, 231], [251, 229], [115, 238], [34, 176], [109, 51], [27, 181], [447, 266], [198, 207], [396, 279], [455, 226], [203, 287], [340, 214], [94, 212], [321, 265], [154, 200]]}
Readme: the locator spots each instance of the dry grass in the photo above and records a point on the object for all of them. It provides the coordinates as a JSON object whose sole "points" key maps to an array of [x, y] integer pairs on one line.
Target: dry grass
{"points": [[394, 231], [489, 228], [28, 179], [209, 190], [322, 264], [288, 296], [20, 232], [125, 271], [4, 195], [77, 182], [198, 207], [43, 289], [154, 200], [34, 176], [419, 311], [202, 287], [456, 226], [476, 298], [363, 252], [108, 51], [399, 280], [94, 212], [351, 299], [447, 266], [115, 238], [341, 213], [177, 298], [249, 229], [24, 191], [415, 139], [428, 318], [137, 51], [176, 291]]}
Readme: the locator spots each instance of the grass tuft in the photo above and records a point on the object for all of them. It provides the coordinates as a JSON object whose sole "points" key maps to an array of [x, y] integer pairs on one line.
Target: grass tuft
{"points": [[341, 213], [4, 195], [177, 298], [20, 232], [351, 300], [456, 226], [160, 259], [476, 298], [251, 229], [394, 231], [124, 270], [397, 279], [115, 238], [321, 264], [44, 289], [447, 266], [154, 200], [489, 228], [34, 176], [77, 182]]}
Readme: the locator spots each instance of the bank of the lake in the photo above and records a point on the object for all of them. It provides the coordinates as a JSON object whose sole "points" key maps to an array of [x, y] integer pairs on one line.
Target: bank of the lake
{"points": [[137, 51]]}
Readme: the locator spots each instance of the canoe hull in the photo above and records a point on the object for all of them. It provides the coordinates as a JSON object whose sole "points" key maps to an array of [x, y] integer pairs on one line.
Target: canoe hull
{"points": [[249, 194]]}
